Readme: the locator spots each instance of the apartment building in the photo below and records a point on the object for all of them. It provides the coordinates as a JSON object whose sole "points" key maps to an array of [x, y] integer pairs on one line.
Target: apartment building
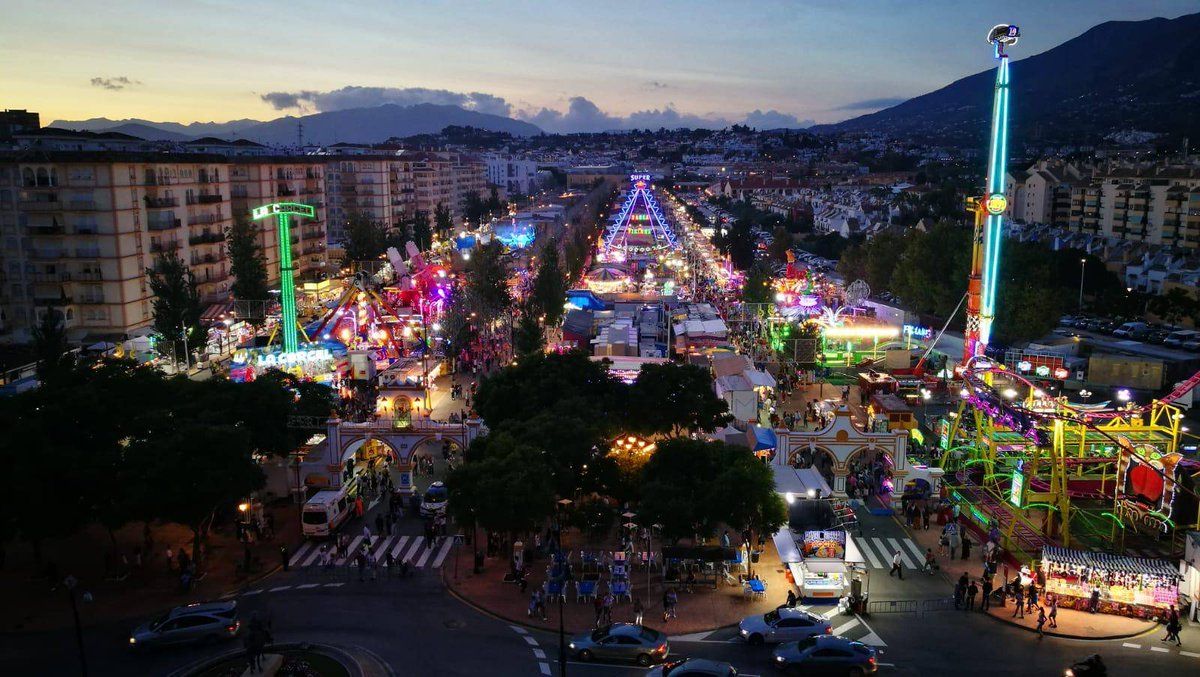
{"points": [[259, 180], [359, 184], [513, 176], [1042, 193], [1155, 205], [441, 178], [80, 229]]}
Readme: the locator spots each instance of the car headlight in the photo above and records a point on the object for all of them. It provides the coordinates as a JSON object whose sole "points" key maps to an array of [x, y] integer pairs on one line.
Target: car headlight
{"points": [[745, 632], [779, 658], [133, 640], [571, 645]]}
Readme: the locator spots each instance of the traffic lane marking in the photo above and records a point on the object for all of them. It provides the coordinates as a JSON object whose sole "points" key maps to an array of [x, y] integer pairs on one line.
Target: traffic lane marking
{"points": [[1159, 649], [1130, 645]]}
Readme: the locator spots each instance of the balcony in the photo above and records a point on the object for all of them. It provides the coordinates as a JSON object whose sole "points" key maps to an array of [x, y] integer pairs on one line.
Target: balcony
{"points": [[286, 192], [163, 224], [51, 229], [169, 246], [206, 238], [85, 276], [48, 254], [210, 199], [203, 219], [219, 277], [313, 234], [50, 277], [81, 205], [90, 301], [52, 301], [161, 202], [198, 259], [42, 205], [87, 253]]}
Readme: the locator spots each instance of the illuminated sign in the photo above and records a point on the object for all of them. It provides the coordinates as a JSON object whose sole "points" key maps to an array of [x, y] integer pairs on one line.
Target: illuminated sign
{"points": [[639, 177], [1061, 373], [1042, 370], [860, 332], [917, 332], [282, 360], [283, 208], [1017, 488]]}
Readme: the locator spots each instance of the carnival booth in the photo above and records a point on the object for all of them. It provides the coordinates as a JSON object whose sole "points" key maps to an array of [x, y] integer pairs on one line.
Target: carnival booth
{"points": [[821, 557], [1128, 586]]}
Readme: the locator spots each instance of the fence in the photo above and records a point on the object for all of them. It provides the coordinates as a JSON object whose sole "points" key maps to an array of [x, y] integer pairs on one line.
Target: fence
{"points": [[908, 606]]}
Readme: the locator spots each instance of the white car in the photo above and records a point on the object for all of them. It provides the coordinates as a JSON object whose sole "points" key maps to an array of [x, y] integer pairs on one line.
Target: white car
{"points": [[783, 625], [433, 503]]}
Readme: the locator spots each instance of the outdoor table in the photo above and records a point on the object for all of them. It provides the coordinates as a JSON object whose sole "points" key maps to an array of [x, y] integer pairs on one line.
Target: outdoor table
{"points": [[757, 587]]}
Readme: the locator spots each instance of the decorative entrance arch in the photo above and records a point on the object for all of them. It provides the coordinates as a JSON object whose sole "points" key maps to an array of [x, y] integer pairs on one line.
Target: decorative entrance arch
{"points": [[344, 439], [844, 441]]}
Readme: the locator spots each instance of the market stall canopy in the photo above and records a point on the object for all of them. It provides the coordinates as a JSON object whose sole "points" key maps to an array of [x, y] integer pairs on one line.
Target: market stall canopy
{"points": [[607, 274], [825, 566], [785, 544], [760, 379], [1113, 563], [760, 438], [731, 435], [799, 481]]}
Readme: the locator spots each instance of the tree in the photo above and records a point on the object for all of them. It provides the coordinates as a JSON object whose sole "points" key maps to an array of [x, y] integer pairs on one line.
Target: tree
{"points": [[675, 399], [690, 486], [1175, 306], [474, 209], [366, 239], [504, 486], [246, 262], [487, 282], [541, 382], [188, 472], [781, 244], [176, 303], [443, 223], [422, 235], [528, 338], [757, 286], [54, 356], [549, 286]]}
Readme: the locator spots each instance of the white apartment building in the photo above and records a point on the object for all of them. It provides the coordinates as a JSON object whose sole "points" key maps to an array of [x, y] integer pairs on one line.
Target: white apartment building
{"points": [[256, 181], [513, 176]]}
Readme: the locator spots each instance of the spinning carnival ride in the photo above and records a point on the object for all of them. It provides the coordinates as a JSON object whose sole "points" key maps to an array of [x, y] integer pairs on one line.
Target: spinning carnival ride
{"points": [[1039, 469], [640, 229]]}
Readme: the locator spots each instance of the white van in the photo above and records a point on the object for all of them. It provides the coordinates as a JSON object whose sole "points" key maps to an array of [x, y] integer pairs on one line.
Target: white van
{"points": [[325, 512], [1131, 329]]}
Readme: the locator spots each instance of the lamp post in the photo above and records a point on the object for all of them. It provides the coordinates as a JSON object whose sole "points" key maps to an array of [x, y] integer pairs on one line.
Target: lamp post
{"points": [[70, 583], [1082, 271], [562, 636]]}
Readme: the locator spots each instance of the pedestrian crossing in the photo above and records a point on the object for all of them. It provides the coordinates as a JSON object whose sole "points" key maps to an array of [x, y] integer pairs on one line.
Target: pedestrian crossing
{"points": [[418, 551], [878, 552]]}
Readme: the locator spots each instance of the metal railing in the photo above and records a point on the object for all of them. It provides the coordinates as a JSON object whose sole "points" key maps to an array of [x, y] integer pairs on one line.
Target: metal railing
{"points": [[909, 606]]}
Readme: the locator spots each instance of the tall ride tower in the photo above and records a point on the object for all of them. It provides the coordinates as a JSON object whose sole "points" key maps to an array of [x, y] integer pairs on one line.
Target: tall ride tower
{"points": [[283, 212], [989, 209]]}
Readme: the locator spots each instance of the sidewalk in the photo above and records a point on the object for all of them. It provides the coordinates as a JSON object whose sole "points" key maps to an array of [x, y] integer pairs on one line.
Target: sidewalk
{"points": [[702, 610], [31, 604], [1071, 624]]}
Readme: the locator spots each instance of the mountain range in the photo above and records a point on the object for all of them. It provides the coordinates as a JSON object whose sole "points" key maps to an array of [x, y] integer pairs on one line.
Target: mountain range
{"points": [[351, 125], [1117, 76]]}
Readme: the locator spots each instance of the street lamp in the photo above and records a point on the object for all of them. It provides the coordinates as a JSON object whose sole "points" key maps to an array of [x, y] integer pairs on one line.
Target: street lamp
{"points": [[562, 636], [70, 583], [1082, 271]]}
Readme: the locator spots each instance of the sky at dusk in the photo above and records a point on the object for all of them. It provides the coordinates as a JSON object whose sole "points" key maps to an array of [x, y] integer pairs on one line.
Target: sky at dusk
{"points": [[566, 66]]}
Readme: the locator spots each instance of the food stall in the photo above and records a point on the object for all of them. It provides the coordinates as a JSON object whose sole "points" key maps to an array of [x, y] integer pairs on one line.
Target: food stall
{"points": [[1128, 586], [821, 558]]}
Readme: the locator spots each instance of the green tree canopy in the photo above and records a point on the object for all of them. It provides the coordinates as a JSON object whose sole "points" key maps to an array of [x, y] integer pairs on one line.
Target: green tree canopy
{"points": [[443, 222], [366, 239], [539, 382], [50, 347], [176, 302], [486, 283], [757, 286], [675, 399], [422, 234], [505, 487], [549, 286], [246, 262]]}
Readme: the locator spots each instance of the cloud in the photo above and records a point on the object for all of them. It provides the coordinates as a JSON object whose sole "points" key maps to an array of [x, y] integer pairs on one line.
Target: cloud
{"points": [[773, 119], [367, 97], [581, 114], [115, 84], [873, 104]]}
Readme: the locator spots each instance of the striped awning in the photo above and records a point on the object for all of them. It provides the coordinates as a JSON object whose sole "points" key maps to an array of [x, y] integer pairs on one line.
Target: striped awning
{"points": [[1108, 562], [216, 311]]}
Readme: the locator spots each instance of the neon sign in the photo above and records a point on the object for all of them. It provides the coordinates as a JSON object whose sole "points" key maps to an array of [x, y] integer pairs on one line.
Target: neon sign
{"points": [[917, 331], [1017, 487]]}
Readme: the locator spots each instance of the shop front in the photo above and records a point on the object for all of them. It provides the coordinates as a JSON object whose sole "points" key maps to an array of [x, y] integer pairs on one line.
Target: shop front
{"points": [[1125, 586]]}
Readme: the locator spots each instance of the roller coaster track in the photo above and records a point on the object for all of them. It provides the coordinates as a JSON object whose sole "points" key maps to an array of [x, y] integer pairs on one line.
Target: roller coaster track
{"points": [[1026, 537]]}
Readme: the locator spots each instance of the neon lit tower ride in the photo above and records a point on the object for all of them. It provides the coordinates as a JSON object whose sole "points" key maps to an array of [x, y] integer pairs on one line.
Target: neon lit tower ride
{"points": [[989, 209], [282, 211], [641, 213]]}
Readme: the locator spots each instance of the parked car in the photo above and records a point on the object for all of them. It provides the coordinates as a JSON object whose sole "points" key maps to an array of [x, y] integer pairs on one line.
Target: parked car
{"points": [[782, 625], [693, 667], [1128, 329], [621, 642], [1066, 321], [1193, 345], [826, 656], [1081, 322], [1176, 339], [188, 624]]}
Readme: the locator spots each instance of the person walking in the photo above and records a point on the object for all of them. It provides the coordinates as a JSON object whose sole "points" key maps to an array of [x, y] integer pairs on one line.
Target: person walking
{"points": [[1019, 612], [379, 524], [791, 599], [986, 602], [598, 608], [1054, 612], [638, 610], [1041, 621], [1173, 627], [972, 591], [1031, 596], [930, 561], [896, 569]]}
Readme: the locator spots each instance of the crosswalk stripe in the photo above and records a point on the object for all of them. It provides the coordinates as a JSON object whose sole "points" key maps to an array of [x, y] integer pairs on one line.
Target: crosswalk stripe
{"points": [[313, 557], [425, 553], [862, 546], [381, 547], [300, 553], [307, 586], [845, 626], [350, 550], [416, 545], [916, 551], [1189, 654], [881, 547], [398, 547], [903, 557], [334, 585], [872, 639], [437, 562], [828, 615]]}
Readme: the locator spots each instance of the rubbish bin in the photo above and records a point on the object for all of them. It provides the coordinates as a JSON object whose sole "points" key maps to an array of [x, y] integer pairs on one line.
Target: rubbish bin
{"points": [[754, 554]]}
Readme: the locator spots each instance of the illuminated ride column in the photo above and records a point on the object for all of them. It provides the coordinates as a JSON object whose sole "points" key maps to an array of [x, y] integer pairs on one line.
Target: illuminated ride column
{"points": [[989, 209], [283, 212]]}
